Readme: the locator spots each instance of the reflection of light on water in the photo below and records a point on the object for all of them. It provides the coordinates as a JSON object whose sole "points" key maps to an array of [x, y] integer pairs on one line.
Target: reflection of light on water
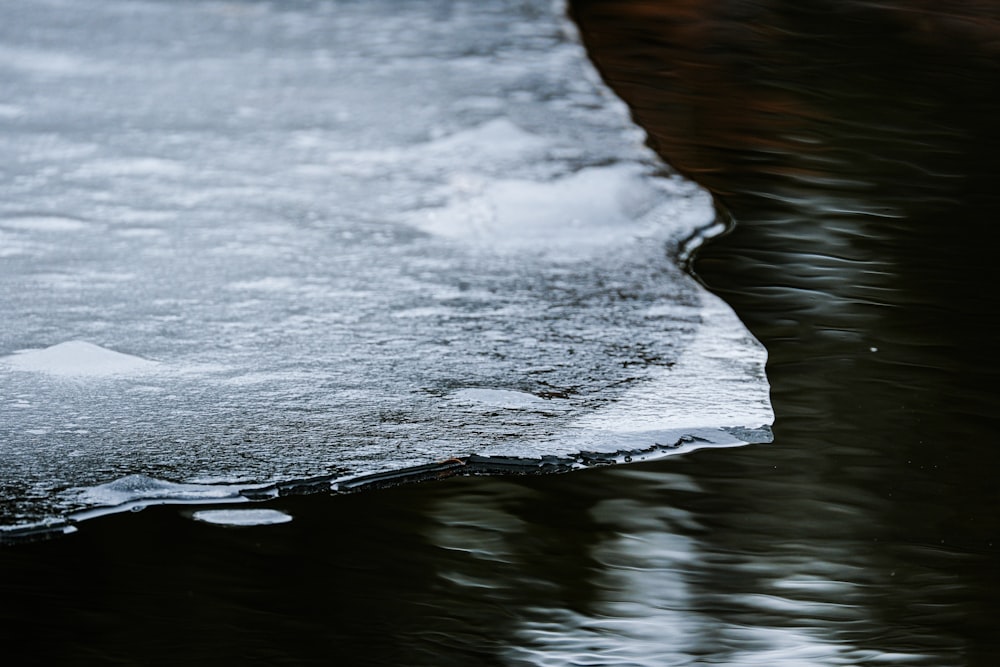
{"points": [[650, 611], [659, 587]]}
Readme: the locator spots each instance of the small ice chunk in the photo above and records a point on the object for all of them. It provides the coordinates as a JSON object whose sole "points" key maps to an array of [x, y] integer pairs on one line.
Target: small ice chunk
{"points": [[233, 517], [77, 358]]}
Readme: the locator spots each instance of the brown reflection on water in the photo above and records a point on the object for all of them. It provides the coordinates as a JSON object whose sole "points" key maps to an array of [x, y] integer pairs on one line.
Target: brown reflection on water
{"points": [[855, 145]]}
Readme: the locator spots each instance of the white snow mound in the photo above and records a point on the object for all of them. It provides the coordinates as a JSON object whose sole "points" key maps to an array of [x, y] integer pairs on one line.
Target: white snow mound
{"points": [[77, 358]]}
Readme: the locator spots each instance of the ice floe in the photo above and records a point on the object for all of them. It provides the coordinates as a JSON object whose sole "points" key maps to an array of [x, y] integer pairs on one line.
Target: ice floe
{"points": [[242, 517]]}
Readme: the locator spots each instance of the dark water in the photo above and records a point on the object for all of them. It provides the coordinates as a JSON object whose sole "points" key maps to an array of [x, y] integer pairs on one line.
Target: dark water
{"points": [[855, 147], [772, 557]]}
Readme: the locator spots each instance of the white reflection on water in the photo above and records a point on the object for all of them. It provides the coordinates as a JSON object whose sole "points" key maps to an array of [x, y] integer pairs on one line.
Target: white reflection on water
{"points": [[659, 588]]}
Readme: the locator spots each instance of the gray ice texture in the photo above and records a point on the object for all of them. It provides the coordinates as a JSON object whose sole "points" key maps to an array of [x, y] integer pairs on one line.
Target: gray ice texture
{"points": [[247, 242]]}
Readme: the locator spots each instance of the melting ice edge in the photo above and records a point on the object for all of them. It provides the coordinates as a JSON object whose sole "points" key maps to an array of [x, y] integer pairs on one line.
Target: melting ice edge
{"points": [[161, 492]]}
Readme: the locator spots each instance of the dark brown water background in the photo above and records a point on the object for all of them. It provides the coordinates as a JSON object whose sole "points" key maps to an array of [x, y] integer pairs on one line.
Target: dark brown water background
{"points": [[855, 146]]}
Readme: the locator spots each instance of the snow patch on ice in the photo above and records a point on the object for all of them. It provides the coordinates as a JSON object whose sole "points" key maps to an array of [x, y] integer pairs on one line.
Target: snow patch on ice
{"points": [[11, 111], [591, 208], [43, 223], [140, 232], [673, 310], [135, 488], [497, 138], [417, 313], [47, 63], [146, 166], [77, 358], [83, 279], [269, 284], [14, 247]]}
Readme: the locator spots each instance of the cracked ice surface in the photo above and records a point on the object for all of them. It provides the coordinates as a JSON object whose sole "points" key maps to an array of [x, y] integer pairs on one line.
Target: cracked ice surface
{"points": [[250, 242]]}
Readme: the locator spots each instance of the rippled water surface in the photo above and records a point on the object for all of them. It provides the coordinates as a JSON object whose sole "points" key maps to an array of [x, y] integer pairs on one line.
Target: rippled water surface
{"points": [[854, 145]]}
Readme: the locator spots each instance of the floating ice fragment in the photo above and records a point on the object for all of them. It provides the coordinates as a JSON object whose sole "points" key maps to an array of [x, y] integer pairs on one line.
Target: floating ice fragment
{"points": [[77, 358], [242, 517]]}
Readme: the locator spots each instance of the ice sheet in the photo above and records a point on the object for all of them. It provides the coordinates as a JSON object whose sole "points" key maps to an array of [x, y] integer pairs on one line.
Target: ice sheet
{"points": [[246, 243]]}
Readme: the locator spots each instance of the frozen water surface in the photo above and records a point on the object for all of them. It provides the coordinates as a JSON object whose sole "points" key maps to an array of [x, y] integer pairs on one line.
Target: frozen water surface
{"points": [[250, 242]]}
